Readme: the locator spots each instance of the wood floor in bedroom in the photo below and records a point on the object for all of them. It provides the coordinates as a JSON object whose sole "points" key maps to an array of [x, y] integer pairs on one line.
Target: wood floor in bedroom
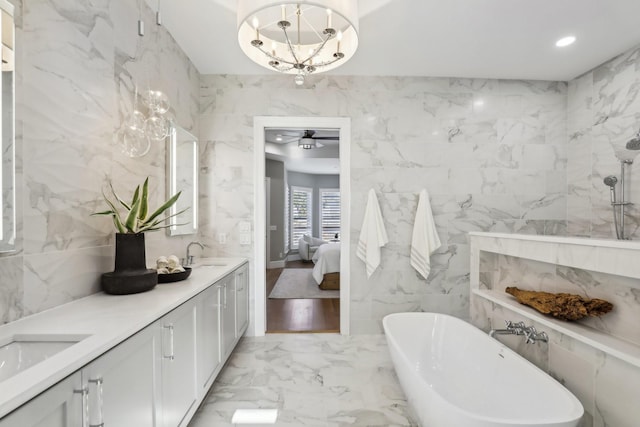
{"points": [[300, 315]]}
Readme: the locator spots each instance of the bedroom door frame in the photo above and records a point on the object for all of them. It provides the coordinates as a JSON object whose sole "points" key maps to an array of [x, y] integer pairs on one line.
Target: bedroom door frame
{"points": [[260, 124]]}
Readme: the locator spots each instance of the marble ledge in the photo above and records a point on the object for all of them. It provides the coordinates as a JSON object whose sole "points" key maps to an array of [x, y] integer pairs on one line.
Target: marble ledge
{"points": [[616, 257]]}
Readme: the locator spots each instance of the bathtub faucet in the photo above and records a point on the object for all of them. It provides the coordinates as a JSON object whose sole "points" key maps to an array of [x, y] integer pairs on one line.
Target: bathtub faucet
{"points": [[533, 335], [511, 329], [530, 333]]}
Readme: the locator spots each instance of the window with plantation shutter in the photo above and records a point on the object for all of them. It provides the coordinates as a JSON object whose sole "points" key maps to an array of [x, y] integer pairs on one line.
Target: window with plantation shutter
{"points": [[301, 208], [287, 218], [329, 213]]}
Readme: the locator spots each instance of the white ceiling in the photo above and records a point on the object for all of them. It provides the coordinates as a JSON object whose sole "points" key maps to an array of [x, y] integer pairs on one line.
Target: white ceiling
{"points": [[282, 145], [511, 39]]}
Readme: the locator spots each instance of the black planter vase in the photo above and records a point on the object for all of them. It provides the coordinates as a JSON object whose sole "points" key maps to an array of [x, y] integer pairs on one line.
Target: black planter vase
{"points": [[131, 275]]}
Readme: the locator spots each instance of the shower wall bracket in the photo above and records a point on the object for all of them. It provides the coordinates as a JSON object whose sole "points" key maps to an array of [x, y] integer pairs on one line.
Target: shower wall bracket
{"points": [[618, 203]]}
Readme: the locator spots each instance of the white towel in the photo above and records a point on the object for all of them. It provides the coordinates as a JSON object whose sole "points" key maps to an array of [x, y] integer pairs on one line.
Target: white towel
{"points": [[425, 238], [373, 235]]}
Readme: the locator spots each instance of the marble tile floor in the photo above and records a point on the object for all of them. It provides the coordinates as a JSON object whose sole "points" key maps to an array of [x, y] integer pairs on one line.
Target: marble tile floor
{"points": [[326, 380]]}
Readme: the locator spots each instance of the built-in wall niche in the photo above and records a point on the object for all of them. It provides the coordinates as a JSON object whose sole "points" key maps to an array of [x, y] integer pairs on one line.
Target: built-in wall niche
{"points": [[500, 271], [591, 268], [7, 125]]}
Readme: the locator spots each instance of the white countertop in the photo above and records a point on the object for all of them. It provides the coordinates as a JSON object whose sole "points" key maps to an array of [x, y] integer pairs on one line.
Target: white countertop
{"points": [[108, 320]]}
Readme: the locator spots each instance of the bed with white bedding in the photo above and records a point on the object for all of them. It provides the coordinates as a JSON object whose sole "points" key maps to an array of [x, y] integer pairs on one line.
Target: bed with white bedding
{"points": [[327, 261]]}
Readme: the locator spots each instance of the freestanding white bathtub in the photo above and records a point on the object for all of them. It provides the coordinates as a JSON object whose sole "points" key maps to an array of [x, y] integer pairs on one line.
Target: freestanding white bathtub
{"points": [[454, 375]]}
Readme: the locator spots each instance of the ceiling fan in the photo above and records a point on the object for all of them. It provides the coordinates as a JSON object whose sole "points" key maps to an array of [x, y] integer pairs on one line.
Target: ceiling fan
{"points": [[308, 141]]}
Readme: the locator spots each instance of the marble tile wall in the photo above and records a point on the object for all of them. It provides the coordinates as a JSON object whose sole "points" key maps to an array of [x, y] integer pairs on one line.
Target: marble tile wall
{"points": [[77, 66], [603, 113], [491, 153]]}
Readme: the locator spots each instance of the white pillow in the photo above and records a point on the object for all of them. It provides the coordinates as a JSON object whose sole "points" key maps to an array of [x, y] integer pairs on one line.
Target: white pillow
{"points": [[307, 238], [317, 242]]}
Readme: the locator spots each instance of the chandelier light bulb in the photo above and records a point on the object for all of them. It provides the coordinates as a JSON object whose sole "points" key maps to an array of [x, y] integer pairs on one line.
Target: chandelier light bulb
{"points": [[299, 79], [255, 24], [161, 102], [156, 128], [134, 143], [135, 121], [284, 12], [329, 13]]}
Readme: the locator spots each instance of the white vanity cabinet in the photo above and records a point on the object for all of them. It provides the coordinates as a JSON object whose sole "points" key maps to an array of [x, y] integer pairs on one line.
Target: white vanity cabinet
{"points": [[158, 376], [120, 384], [226, 288], [207, 336], [60, 406], [115, 390], [178, 372], [223, 316], [242, 299]]}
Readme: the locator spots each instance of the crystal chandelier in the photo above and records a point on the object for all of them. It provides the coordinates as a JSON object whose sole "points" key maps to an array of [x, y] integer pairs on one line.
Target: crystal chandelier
{"points": [[298, 38]]}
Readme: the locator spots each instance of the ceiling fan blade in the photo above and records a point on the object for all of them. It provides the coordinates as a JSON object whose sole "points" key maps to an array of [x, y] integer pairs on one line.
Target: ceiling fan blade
{"points": [[328, 138], [291, 133]]}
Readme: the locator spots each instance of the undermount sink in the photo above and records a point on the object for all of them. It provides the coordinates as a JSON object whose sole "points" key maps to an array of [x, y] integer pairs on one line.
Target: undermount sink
{"points": [[21, 352], [212, 262]]}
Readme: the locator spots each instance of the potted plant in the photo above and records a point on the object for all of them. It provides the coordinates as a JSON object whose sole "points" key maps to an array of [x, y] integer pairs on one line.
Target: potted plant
{"points": [[131, 221]]}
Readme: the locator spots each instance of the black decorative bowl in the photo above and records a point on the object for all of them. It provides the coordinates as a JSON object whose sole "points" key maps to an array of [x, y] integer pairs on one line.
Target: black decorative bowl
{"points": [[174, 277]]}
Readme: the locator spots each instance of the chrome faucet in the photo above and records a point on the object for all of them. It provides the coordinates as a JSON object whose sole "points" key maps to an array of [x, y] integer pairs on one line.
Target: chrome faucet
{"points": [[512, 329], [189, 259], [530, 333]]}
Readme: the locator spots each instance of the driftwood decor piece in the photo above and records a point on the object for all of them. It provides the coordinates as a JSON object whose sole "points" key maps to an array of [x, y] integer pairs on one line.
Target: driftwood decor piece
{"points": [[562, 306]]}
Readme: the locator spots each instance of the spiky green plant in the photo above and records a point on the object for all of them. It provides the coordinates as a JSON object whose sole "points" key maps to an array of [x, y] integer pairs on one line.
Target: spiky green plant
{"points": [[136, 218]]}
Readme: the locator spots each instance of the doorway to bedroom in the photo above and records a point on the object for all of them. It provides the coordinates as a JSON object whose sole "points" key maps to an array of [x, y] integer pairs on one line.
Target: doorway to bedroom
{"points": [[303, 226]]}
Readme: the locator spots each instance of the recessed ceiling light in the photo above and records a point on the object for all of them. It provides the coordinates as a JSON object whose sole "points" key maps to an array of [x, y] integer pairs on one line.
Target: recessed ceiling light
{"points": [[565, 41]]}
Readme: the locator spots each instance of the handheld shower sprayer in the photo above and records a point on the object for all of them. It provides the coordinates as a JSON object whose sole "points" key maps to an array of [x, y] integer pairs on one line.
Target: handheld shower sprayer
{"points": [[611, 182]]}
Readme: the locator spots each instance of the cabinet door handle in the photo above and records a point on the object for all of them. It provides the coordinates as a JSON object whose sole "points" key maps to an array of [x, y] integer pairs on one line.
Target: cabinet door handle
{"points": [[95, 415], [225, 296], [171, 355], [84, 392]]}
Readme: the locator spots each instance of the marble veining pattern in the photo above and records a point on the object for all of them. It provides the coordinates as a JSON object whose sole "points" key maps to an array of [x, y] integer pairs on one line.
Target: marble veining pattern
{"points": [[324, 380], [77, 66], [602, 115], [491, 153]]}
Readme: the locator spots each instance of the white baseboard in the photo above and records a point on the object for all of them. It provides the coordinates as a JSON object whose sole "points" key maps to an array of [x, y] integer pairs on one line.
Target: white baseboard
{"points": [[294, 257], [276, 264]]}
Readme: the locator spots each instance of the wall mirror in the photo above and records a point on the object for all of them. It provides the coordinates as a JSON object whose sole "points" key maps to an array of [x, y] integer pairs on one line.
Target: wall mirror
{"points": [[182, 162], [7, 128]]}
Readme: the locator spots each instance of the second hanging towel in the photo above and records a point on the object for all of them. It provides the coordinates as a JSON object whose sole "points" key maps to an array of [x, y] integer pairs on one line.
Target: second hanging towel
{"points": [[425, 239]]}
